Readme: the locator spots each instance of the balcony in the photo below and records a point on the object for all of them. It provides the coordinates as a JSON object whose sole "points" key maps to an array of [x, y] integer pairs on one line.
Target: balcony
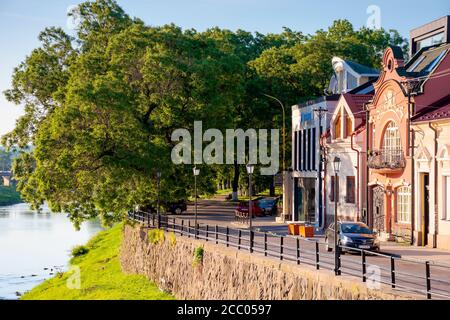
{"points": [[387, 161]]}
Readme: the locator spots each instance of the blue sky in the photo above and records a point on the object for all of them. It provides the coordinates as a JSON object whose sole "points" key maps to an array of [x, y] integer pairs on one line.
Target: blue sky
{"points": [[21, 21]]}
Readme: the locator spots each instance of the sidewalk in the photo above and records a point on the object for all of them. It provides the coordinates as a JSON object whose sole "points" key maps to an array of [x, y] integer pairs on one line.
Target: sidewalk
{"points": [[395, 249], [417, 253]]}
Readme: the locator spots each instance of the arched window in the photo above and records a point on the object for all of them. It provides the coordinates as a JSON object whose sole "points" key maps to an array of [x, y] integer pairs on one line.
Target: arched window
{"points": [[392, 144], [404, 204]]}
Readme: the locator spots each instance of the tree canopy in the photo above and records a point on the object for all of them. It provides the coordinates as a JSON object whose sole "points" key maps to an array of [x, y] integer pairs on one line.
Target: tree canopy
{"points": [[100, 107]]}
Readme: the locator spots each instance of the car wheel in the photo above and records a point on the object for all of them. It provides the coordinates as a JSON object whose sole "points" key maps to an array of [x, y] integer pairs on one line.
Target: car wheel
{"points": [[178, 211], [327, 246]]}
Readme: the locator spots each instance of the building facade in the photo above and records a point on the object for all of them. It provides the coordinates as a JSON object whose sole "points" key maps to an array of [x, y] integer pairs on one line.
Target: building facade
{"points": [[347, 140], [392, 180], [431, 125], [309, 121]]}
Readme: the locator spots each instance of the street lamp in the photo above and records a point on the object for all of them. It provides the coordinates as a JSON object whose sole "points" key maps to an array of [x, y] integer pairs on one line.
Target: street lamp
{"points": [[284, 128], [158, 176], [337, 167], [196, 173], [250, 169]]}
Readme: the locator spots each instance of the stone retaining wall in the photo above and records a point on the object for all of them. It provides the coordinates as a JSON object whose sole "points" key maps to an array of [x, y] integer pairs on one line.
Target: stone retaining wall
{"points": [[229, 274]]}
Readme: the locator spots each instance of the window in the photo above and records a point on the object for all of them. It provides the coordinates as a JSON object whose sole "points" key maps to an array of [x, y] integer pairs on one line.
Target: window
{"points": [[309, 150], [295, 150], [334, 184], [348, 126], [392, 145], [446, 214], [337, 127], [436, 39], [404, 204], [304, 151], [352, 82], [314, 144], [351, 190], [300, 153]]}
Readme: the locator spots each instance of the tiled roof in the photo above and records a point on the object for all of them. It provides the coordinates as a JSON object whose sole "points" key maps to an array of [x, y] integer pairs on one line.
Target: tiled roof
{"points": [[366, 88], [361, 69], [437, 112], [356, 103], [398, 52]]}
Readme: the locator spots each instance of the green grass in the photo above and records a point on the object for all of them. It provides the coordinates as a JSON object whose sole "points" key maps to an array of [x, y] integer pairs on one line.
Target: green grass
{"points": [[101, 276], [9, 196]]}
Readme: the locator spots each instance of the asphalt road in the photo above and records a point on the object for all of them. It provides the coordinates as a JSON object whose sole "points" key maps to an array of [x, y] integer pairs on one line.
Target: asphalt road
{"points": [[409, 276]]}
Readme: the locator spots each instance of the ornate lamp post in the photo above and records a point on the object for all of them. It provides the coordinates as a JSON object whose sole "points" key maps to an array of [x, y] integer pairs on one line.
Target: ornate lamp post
{"points": [[337, 167], [196, 173], [250, 169]]}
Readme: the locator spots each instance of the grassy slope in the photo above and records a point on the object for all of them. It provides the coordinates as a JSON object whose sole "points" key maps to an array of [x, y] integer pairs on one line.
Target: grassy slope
{"points": [[8, 196], [101, 276]]}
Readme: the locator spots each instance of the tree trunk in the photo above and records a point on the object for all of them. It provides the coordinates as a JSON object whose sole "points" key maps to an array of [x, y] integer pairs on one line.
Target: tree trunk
{"points": [[272, 187], [235, 181]]}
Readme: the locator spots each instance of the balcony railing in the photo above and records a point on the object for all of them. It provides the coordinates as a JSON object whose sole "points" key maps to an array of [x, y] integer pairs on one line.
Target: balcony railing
{"points": [[387, 159]]}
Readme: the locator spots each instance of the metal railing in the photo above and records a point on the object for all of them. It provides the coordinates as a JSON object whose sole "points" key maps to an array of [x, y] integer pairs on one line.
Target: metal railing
{"points": [[426, 278], [387, 159]]}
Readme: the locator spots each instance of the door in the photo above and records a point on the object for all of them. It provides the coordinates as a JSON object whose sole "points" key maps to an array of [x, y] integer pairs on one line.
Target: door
{"points": [[425, 207], [378, 208]]}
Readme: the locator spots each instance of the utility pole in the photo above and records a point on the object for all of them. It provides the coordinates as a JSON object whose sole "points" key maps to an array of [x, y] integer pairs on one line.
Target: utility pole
{"points": [[320, 111], [409, 88]]}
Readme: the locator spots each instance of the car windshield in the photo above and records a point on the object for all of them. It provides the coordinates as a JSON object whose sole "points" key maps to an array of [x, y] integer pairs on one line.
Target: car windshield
{"points": [[267, 202], [355, 228]]}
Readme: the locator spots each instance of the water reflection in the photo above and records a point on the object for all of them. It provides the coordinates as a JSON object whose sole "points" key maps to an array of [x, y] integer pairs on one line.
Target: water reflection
{"points": [[34, 246]]}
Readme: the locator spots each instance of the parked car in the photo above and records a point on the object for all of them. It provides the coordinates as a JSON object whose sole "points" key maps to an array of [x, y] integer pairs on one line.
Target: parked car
{"points": [[268, 206], [352, 235], [243, 206], [177, 207], [174, 207]]}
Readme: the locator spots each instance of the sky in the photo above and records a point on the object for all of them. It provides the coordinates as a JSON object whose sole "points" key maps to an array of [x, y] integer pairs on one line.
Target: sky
{"points": [[22, 20]]}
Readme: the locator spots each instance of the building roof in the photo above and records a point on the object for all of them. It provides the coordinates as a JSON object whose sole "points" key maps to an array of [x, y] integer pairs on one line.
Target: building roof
{"points": [[366, 88], [356, 103], [398, 52], [438, 111], [360, 69]]}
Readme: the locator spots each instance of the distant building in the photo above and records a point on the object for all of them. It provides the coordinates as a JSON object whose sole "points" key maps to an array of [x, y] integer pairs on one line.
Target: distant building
{"points": [[6, 178]]}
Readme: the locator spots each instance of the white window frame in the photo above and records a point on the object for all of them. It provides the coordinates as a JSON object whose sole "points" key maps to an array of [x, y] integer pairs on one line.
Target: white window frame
{"points": [[404, 205], [392, 143], [446, 199]]}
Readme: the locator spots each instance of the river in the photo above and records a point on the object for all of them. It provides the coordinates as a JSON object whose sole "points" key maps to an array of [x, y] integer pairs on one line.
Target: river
{"points": [[34, 246]]}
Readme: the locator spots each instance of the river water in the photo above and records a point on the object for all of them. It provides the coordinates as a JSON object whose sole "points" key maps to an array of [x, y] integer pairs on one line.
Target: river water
{"points": [[34, 246]]}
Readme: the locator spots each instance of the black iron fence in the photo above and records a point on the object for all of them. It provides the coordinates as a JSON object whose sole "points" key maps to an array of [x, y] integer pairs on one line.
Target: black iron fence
{"points": [[387, 159], [429, 279]]}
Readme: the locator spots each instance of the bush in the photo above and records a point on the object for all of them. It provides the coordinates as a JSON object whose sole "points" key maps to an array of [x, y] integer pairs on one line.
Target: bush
{"points": [[172, 239], [79, 251], [156, 236], [198, 256]]}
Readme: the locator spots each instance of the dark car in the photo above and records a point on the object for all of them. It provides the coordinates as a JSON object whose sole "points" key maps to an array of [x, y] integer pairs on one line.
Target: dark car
{"points": [[177, 207], [352, 235], [174, 207], [268, 206]]}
